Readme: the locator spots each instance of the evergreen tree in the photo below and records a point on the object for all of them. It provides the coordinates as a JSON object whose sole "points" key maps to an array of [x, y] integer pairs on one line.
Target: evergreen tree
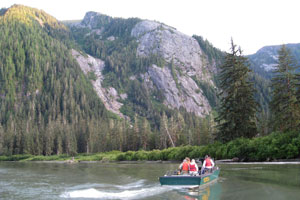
{"points": [[237, 111], [1, 140], [284, 105], [145, 134], [136, 133]]}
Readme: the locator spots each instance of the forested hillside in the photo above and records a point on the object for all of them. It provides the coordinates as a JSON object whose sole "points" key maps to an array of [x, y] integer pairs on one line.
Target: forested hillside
{"points": [[47, 104], [60, 83]]}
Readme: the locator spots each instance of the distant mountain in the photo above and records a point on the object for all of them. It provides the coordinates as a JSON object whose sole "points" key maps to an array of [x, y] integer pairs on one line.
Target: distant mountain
{"points": [[264, 60]]}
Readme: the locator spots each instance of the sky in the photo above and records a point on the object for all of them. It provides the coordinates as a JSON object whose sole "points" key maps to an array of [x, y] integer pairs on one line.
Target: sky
{"points": [[251, 23]]}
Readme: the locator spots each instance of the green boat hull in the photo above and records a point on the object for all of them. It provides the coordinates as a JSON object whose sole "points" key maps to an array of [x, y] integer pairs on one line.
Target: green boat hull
{"points": [[189, 180]]}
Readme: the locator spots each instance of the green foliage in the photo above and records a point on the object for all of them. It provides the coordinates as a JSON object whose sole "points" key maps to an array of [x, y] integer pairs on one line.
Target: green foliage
{"points": [[44, 93], [154, 155], [284, 104], [15, 157], [237, 109], [213, 54], [209, 92], [92, 76], [272, 147], [174, 75]]}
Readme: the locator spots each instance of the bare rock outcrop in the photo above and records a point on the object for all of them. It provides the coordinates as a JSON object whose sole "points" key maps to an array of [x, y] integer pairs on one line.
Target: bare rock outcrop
{"points": [[109, 96], [187, 95], [174, 46], [189, 62]]}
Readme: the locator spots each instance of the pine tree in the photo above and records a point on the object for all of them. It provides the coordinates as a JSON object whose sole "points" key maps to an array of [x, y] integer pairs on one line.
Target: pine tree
{"points": [[165, 129], [1, 140], [136, 133], [284, 105], [145, 134], [237, 111]]}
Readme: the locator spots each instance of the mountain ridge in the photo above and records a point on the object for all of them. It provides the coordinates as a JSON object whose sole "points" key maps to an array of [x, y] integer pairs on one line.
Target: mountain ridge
{"points": [[266, 58], [168, 46]]}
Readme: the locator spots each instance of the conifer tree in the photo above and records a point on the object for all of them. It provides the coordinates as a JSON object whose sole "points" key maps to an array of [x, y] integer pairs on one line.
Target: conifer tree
{"points": [[237, 111], [145, 134], [1, 140], [284, 105]]}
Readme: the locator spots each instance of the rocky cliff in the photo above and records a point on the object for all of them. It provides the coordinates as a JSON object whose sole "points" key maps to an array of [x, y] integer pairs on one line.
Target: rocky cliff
{"points": [[93, 67], [187, 60], [185, 67]]}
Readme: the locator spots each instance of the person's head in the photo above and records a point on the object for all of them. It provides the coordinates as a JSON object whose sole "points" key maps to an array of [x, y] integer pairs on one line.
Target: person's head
{"points": [[193, 161], [187, 159], [184, 160]]}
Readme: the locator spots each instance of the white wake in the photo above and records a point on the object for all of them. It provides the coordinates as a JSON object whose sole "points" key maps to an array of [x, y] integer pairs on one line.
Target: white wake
{"points": [[126, 194]]}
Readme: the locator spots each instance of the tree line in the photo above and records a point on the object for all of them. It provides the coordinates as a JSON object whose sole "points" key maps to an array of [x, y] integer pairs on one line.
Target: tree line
{"points": [[238, 110]]}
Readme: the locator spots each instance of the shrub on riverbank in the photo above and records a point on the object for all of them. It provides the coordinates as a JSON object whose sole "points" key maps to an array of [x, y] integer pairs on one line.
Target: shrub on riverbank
{"points": [[274, 146]]}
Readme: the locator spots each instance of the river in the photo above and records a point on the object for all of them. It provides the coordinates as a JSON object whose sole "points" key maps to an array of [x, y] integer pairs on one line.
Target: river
{"points": [[38, 180]]}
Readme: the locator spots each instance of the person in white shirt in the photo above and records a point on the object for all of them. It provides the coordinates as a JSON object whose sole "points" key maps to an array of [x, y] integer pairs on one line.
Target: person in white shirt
{"points": [[208, 164]]}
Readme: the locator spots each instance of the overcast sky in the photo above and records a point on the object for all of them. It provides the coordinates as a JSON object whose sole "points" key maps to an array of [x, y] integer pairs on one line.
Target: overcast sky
{"points": [[251, 23]]}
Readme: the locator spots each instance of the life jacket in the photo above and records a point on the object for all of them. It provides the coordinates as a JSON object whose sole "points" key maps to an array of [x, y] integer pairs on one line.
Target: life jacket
{"points": [[185, 167], [208, 162], [193, 167]]}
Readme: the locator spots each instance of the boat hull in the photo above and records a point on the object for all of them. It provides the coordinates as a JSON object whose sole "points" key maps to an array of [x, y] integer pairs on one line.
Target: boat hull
{"points": [[189, 180], [210, 177], [180, 180]]}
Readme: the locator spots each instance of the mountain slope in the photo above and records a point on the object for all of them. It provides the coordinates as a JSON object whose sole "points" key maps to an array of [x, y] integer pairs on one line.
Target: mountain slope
{"points": [[158, 58], [264, 60], [44, 94]]}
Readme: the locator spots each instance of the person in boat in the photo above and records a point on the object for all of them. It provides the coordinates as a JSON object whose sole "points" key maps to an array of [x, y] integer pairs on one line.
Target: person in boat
{"points": [[184, 167], [188, 160], [193, 168], [208, 164]]}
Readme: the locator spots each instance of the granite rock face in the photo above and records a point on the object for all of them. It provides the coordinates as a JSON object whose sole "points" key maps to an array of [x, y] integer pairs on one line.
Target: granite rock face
{"points": [[185, 65], [187, 95], [174, 46], [188, 60], [109, 96], [94, 20]]}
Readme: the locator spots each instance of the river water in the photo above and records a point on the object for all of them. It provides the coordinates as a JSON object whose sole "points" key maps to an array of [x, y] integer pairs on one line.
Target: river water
{"points": [[38, 180]]}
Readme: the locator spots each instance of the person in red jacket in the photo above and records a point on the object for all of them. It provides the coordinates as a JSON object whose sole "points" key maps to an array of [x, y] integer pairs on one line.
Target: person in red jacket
{"points": [[208, 164], [193, 168], [184, 167]]}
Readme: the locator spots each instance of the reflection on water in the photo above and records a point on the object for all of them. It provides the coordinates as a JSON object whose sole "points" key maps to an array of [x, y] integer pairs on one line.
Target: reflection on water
{"points": [[210, 192]]}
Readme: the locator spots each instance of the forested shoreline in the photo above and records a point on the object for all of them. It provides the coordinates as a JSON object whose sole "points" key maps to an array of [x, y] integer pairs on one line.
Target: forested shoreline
{"points": [[268, 148]]}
